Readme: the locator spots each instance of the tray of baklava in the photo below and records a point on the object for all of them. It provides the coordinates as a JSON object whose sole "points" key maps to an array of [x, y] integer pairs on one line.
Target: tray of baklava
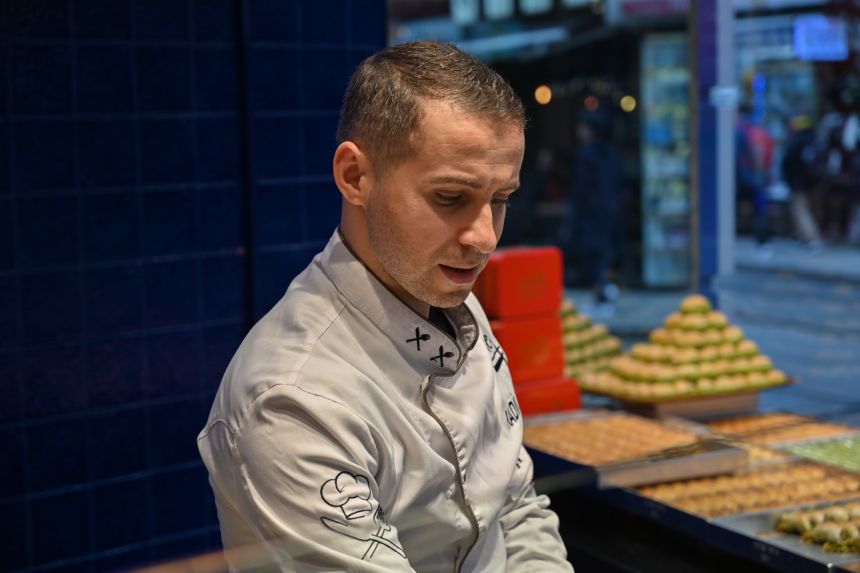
{"points": [[826, 532], [780, 511], [611, 449], [780, 429]]}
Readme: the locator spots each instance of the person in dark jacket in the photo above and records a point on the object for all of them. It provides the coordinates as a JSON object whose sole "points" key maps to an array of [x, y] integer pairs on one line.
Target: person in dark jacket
{"points": [[753, 155], [594, 195], [798, 172]]}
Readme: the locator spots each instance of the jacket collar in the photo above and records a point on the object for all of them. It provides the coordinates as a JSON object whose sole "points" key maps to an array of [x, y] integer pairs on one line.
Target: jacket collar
{"points": [[429, 349]]}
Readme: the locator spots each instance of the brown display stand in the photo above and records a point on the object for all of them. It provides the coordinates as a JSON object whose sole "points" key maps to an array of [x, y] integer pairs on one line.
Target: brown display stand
{"points": [[696, 407]]}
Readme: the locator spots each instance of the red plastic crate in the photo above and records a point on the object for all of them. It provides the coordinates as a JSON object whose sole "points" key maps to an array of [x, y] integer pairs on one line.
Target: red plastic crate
{"points": [[533, 346], [545, 396], [521, 281]]}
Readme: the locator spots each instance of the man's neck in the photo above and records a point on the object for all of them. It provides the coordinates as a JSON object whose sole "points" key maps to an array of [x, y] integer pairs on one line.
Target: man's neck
{"points": [[438, 319], [355, 239]]}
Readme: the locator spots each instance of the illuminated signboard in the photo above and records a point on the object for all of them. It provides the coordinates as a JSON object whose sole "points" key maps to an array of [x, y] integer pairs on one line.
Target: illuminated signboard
{"points": [[619, 11], [821, 38]]}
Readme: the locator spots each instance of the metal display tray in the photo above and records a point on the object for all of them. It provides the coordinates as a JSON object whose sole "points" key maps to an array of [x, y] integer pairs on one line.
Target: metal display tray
{"points": [[697, 407], [853, 567], [746, 535], [785, 447], [701, 459], [706, 457], [760, 526]]}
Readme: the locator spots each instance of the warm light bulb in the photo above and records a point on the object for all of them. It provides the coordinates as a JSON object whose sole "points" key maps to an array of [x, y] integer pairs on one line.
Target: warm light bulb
{"points": [[592, 103], [628, 103], [543, 94]]}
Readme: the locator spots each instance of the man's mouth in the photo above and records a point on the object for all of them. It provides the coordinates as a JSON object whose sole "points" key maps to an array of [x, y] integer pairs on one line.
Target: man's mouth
{"points": [[461, 275]]}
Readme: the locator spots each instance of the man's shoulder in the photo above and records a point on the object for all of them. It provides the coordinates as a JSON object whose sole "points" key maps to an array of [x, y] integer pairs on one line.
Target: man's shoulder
{"points": [[290, 333], [288, 342]]}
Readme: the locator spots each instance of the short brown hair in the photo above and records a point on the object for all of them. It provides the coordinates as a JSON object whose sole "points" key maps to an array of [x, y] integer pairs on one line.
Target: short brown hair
{"points": [[381, 107]]}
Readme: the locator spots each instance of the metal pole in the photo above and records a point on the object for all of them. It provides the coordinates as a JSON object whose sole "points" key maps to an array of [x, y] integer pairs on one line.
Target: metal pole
{"points": [[713, 97]]}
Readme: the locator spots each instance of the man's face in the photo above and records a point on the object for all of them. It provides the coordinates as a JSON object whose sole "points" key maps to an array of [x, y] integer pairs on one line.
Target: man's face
{"points": [[435, 218]]}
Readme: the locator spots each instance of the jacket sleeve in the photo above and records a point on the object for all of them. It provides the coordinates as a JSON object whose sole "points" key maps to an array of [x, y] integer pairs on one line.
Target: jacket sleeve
{"points": [[530, 528], [295, 488]]}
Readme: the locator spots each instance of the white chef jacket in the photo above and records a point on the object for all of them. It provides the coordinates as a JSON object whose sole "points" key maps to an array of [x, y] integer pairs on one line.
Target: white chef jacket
{"points": [[351, 434]]}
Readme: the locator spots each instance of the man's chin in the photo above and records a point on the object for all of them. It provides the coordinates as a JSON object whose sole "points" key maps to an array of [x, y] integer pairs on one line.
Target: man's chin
{"points": [[451, 299]]}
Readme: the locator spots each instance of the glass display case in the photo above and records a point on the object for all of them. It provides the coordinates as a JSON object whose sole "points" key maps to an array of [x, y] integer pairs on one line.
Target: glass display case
{"points": [[665, 81]]}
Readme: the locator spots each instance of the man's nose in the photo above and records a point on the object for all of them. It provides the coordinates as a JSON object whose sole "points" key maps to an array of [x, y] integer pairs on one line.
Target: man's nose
{"points": [[481, 233]]}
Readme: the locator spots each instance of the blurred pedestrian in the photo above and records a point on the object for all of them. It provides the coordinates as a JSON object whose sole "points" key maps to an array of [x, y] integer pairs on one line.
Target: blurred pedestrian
{"points": [[753, 160], [595, 192], [839, 138], [798, 170]]}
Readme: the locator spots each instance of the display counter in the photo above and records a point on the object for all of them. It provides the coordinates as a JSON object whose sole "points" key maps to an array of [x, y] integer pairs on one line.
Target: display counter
{"points": [[738, 492]]}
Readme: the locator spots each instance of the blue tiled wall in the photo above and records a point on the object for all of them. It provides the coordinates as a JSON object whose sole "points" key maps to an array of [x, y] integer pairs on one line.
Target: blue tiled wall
{"points": [[164, 173]]}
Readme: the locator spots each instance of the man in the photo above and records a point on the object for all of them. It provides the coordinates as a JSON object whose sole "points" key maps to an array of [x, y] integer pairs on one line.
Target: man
{"points": [[368, 422]]}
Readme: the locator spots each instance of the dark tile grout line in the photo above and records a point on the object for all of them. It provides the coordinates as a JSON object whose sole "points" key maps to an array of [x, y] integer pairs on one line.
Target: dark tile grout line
{"points": [[292, 247], [198, 195], [115, 189], [46, 41], [141, 332], [119, 264], [300, 46], [141, 236], [149, 544], [296, 113], [292, 180], [84, 371], [17, 257], [159, 115]]}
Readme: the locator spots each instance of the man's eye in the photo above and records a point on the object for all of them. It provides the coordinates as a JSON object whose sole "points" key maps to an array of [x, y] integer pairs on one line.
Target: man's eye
{"points": [[448, 199], [501, 202]]}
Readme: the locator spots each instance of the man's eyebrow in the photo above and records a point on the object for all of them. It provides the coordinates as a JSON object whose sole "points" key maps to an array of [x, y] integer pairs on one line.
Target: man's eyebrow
{"points": [[470, 182], [456, 180]]}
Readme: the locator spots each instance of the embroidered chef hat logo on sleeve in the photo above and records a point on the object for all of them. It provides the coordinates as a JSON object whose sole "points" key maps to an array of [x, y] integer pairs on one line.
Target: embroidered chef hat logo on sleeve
{"points": [[350, 493]]}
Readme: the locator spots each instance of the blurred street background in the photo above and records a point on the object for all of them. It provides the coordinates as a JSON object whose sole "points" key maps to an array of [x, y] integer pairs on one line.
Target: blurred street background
{"points": [[801, 307]]}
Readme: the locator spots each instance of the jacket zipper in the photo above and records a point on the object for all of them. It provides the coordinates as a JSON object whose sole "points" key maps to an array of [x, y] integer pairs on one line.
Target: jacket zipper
{"points": [[461, 558]]}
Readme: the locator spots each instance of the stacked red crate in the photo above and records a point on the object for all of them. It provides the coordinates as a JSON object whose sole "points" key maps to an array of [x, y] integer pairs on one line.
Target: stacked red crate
{"points": [[521, 292]]}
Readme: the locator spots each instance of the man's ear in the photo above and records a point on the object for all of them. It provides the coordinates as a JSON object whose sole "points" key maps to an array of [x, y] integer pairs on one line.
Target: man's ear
{"points": [[352, 173]]}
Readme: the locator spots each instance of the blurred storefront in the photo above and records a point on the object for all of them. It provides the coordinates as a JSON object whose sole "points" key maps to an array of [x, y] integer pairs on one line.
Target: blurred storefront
{"points": [[677, 86], [792, 59]]}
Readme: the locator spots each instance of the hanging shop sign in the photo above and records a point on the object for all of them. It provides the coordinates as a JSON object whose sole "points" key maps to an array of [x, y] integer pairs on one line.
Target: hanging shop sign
{"points": [[498, 9], [628, 11], [468, 12], [724, 96], [464, 12], [764, 38], [820, 38], [631, 11], [535, 7], [744, 5]]}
